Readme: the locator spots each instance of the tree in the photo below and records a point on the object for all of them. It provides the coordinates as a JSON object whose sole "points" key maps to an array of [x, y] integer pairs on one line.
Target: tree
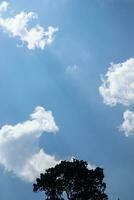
{"points": [[73, 181]]}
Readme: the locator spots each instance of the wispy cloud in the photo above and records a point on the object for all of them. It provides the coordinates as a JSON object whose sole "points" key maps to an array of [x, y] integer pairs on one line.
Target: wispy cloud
{"points": [[17, 26], [19, 148], [72, 68], [4, 6]]}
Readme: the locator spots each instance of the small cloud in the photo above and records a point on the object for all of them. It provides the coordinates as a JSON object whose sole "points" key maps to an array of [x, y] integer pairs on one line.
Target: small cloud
{"points": [[4, 6], [17, 26], [72, 68], [127, 125], [19, 145]]}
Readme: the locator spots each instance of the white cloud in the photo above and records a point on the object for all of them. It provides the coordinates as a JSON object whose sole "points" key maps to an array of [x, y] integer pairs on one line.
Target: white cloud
{"points": [[127, 125], [19, 148], [17, 26], [4, 6], [118, 84], [38, 163]]}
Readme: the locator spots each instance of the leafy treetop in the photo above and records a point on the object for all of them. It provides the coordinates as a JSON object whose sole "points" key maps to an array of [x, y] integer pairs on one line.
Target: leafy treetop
{"points": [[73, 181]]}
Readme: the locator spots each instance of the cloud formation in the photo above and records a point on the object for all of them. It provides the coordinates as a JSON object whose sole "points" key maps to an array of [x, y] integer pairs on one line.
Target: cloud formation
{"points": [[127, 125], [118, 88], [118, 84], [19, 148], [17, 26]]}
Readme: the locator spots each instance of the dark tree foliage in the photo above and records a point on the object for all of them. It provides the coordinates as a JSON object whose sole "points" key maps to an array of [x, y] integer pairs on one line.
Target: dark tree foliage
{"points": [[72, 180]]}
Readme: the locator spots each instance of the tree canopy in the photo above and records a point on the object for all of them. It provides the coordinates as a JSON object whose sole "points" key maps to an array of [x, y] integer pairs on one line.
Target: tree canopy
{"points": [[72, 180]]}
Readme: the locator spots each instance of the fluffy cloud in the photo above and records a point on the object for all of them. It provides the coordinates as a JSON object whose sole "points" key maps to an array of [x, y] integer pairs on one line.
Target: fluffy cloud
{"points": [[127, 125], [17, 26], [118, 84], [38, 163], [19, 149]]}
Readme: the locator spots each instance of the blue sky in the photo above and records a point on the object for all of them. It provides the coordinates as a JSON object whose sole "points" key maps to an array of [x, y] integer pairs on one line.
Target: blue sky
{"points": [[64, 77]]}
